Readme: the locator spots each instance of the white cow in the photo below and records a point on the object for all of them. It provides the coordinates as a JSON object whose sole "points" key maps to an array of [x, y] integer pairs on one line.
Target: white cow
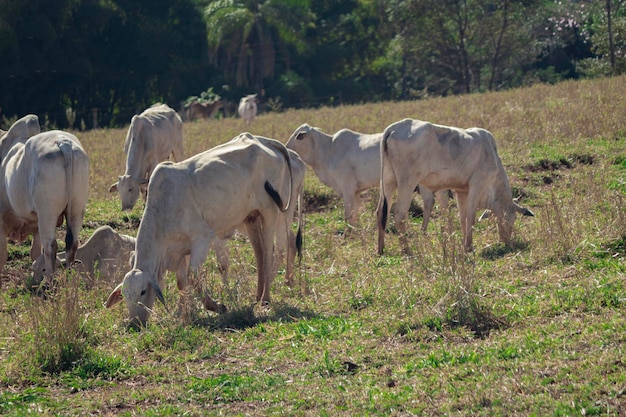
{"points": [[247, 108], [45, 179], [152, 137], [349, 163], [441, 157], [206, 196]]}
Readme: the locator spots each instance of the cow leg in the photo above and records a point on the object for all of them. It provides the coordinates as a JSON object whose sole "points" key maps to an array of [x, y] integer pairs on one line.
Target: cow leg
{"points": [[74, 226], [282, 245], [383, 209], [35, 247], [261, 233], [291, 257], [221, 253], [351, 208], [467, 214], [253, 229], [4, 253], [199, 251], [44, 241], [403, 203], [429, 203]]}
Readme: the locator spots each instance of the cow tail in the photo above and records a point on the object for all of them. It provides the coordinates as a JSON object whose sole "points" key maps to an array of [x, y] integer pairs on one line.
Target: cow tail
{"points": [[274, 194], [383, 197], [271, 191], [66, 148], [299, 237]]}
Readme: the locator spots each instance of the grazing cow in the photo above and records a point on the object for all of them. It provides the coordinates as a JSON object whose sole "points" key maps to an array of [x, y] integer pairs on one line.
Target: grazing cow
{"points": [[441, 157], [199, 110], [45, 179], [349, 163], [152, 137], [247, 108], [206, 196]]}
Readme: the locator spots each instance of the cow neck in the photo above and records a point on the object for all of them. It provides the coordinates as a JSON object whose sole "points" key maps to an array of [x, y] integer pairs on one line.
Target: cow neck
{"points": [[135, 160], [147, 250]]}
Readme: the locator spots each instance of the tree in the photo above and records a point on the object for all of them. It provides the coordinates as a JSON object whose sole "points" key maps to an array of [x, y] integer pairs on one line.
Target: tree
{"points": [[452, 46], [94, 54], [250, 38]]}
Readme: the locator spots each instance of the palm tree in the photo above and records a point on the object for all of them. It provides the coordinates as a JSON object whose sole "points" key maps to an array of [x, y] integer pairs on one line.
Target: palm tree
{"points": [[248, 38]]}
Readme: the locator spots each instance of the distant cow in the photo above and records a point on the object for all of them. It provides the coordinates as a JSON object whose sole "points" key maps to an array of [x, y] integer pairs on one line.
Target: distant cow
{"points": [[153, 136], [349, 163], [441, 157], [247, 180], [45, 179], [200, 110], [247, 108]]}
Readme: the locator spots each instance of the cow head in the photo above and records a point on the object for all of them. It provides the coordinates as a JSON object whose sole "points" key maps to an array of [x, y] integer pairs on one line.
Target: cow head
{"points": [[138, 289], [298, 143], [506, 217], [39, 268], [129, 189]]}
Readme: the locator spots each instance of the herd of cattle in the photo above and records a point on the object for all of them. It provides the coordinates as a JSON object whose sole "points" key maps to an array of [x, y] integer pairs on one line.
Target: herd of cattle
{"points": [[250, 184]]}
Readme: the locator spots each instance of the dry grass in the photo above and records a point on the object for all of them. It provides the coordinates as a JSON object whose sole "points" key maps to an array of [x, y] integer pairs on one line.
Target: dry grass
{"points": [[533, 329]]}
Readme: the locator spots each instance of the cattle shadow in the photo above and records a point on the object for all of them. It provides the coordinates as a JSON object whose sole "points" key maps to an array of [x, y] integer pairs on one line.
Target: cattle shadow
{"points": [[245, 317], [499, 250]]}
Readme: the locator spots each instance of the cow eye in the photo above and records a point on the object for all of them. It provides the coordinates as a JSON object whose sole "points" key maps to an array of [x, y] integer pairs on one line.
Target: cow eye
{"points": [[143, 292], [130, 190]]}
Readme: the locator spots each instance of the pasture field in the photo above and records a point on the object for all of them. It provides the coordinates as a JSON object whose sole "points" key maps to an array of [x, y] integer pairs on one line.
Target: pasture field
{"points": [[537, 329]]}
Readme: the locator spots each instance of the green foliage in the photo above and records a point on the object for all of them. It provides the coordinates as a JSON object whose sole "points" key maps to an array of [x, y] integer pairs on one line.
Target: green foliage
{"points": [[208, 96]]}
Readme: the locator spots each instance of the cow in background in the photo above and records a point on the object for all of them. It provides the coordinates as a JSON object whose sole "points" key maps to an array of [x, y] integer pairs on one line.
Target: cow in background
{"points": [[200, 110], [349, 163], [153, 136], [248, 108], [439, 157], [45, 180]]}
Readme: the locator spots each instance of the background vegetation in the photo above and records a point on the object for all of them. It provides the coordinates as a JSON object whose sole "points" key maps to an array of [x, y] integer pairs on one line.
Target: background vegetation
{"points": [[108, 60], [538, 329]]}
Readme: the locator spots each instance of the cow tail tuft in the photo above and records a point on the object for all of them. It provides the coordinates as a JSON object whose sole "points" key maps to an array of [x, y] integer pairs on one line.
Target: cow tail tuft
{"points": [[274, 194], [383, 217], [299, 244]]}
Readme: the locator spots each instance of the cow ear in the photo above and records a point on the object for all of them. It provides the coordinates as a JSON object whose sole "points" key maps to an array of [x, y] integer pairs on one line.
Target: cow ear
{"points": [[113, 188], [158, 292], [115, 297], [486, 214]]}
